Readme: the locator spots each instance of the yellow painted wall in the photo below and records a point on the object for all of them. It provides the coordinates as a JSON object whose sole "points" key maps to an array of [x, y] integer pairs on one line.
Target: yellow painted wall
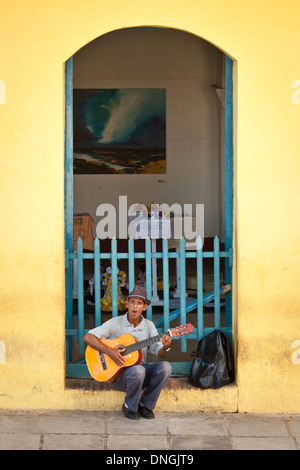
{"points": [[263, 38]]}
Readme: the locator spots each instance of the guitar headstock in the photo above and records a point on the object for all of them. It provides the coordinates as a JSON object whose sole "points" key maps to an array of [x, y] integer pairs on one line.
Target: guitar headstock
{"points": [[182, 330]]}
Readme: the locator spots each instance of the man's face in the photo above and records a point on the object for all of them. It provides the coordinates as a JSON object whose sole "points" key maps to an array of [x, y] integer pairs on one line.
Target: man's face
{"points": [[136, 307]]}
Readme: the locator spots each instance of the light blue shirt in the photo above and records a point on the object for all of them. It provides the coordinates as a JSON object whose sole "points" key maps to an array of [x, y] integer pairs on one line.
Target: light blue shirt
{"points": [[118, 326]]}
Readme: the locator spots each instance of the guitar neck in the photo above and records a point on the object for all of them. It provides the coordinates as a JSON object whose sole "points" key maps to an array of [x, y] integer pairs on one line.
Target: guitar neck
{"points": [[142, 344]]}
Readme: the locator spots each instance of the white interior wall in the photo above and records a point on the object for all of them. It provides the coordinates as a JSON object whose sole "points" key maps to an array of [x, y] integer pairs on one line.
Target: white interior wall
{"points": [[189, 69]]}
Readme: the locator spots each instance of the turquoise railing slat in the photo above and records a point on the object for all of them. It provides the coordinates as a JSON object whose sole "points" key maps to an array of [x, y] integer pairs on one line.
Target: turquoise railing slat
{"points": [[114, 274], [149, 277], [80, 296], [217, 282], [131, 264], [182, 292], [97, 285], [166, 284], [200, 287]]}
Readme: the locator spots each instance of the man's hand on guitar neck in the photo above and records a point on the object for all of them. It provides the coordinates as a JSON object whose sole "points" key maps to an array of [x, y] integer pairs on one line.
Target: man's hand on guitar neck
{"points": [[166, 341]]}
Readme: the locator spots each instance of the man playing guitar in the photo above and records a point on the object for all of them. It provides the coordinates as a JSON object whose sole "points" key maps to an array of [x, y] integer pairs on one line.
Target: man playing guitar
{"points": [[151, 377]]}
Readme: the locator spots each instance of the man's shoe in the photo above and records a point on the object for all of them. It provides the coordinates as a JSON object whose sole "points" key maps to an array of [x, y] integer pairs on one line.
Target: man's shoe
{"points": [[145, 412], [129, 414]]}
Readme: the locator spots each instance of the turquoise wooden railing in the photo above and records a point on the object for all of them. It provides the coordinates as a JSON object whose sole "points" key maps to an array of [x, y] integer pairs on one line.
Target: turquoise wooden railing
{"points": [[163, 322]]}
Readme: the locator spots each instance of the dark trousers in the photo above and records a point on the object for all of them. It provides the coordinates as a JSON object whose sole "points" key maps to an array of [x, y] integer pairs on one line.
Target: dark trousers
{"points": [[151, 377]]}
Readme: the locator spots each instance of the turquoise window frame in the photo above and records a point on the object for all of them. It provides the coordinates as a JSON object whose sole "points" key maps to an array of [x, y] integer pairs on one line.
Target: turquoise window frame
{"points": [[80, 370]]}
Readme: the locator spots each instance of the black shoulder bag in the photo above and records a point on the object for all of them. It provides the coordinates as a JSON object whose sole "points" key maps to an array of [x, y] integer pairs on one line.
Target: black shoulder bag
{"points": [[212, 366]]}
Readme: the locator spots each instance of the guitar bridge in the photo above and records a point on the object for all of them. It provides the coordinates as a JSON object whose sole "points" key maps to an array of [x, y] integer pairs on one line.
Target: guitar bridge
{"points": [[103, 361]]}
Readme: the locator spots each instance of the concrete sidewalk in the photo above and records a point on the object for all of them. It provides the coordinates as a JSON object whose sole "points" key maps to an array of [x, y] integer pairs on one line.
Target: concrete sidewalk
{"points": [[101, 430]]}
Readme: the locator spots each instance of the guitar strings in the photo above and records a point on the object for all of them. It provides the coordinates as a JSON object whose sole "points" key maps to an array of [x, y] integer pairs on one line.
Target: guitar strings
{"points": [[141, 344]]}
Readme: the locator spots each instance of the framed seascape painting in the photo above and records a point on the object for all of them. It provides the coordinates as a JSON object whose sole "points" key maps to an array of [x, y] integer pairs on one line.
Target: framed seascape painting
{"points": [[119, 131]]}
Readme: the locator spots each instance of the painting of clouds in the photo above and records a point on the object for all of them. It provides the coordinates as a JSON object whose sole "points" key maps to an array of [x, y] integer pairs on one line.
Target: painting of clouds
{"points": [[119, 131]]}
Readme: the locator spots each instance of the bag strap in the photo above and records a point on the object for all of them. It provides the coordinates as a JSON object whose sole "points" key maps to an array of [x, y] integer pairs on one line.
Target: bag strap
{"points": [[229, 357]]}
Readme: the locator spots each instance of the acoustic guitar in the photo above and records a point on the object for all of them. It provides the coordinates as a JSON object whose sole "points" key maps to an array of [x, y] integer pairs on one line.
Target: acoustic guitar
{"points": [[104, 369]]}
